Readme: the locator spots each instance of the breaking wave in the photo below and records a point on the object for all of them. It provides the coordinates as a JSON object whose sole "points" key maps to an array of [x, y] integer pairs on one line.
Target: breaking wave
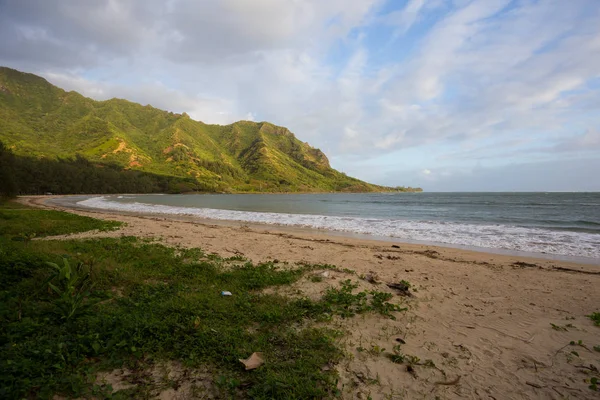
{"points": [[497, 236]]}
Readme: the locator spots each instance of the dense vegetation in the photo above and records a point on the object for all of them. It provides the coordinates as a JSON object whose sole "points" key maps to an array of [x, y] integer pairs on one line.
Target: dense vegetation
{"points": [[40, 120], [31, 175], [69, 309]]}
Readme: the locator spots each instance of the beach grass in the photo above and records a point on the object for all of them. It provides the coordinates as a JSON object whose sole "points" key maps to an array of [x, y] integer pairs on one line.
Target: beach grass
{"points": [[20, 220], [72, 308]]}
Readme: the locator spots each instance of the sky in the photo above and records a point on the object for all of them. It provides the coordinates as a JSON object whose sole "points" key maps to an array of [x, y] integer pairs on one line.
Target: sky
{"points": [[448, 95]]}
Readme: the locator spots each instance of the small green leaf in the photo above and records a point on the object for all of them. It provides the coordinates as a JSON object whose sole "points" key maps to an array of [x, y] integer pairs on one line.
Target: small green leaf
{"points": [[57, 290]]}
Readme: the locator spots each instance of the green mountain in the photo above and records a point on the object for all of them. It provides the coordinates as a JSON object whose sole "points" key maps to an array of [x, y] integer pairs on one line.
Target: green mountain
{"points": [[41, 120]]}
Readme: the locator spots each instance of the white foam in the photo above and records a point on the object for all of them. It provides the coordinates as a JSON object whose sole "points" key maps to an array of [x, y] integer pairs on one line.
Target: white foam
{"points": [[490, 236]]}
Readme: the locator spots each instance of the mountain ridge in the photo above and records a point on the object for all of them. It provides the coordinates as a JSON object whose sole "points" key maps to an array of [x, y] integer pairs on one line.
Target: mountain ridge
{"points": [[42, 120]]}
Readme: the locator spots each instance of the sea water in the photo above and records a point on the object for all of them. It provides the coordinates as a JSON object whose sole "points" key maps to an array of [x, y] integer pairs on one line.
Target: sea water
{"points": [[566, 224]]}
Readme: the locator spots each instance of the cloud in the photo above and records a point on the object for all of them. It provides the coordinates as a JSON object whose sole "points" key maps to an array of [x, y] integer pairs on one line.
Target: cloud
{"points": [[566, 175], [156, 94], [405, 18], [460, 81], [587, 142]]}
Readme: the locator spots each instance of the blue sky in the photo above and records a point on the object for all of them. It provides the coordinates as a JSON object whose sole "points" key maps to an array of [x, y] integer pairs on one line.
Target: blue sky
{"points": [[449, 95]]}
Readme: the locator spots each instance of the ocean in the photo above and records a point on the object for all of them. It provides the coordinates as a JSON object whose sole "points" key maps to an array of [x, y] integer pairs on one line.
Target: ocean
{"points": [[562, 224]]}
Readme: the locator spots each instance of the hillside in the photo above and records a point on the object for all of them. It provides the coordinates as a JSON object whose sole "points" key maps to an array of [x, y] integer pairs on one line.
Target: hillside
{"points": [[38, 119]]}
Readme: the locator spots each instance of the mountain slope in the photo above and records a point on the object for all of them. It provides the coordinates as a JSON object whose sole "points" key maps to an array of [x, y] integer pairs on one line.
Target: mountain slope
{"points": [[41, 120]]}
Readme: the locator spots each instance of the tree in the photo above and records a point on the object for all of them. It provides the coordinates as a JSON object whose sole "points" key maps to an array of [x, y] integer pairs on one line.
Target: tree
{"points": [[8, 185]]}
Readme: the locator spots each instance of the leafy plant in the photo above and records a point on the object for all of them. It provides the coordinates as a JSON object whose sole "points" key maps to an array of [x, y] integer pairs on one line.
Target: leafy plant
{"points": [[397, 356], [376, 350], [595, 317], [25, 237], [73, 286]]}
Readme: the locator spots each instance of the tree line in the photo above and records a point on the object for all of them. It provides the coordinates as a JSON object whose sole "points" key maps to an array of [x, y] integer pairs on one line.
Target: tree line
{"points": [[21, 175]]}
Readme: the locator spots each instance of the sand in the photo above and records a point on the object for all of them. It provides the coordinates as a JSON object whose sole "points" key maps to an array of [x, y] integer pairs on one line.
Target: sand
{"points": [[484, 320]]}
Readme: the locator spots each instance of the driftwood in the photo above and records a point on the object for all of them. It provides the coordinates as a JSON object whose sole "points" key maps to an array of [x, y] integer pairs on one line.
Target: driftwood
{"points": [[402, 288]]}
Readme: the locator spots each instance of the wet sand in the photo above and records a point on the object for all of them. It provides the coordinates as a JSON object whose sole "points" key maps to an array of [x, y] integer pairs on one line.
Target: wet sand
{"points": [[484, 320]]}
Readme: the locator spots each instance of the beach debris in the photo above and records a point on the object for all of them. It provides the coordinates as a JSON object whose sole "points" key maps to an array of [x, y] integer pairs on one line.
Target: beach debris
{"points": [[395, 246], [592, 367], [254, 361], [400, 340], [372, 277], [555, 268], [429, 253], [411, 370], [226, 293], [402, 287], [535, 385], [360, 375], [449, 383], [522, 264], [325, 274]]}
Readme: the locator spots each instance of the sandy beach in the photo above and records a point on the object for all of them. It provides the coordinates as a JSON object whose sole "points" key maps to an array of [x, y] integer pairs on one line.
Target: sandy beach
{"points": [[494, 326]]}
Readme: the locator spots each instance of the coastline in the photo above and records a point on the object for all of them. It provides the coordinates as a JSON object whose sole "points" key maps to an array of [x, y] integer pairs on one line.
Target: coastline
{"points": [[69, 202], [488, 319]]}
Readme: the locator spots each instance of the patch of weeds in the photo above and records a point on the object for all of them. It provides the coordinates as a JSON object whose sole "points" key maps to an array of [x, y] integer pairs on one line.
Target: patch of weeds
{"points": [[376, 350], [380, 303], [594, 382], [580, 344], [316, 278], [214, 257], [228, 384], [412, 360], [345, 303], [27, 222], [597, 348], [342, 301], [595, 317], [237, 257], [25, 237], [396, 356], [168, 307]]}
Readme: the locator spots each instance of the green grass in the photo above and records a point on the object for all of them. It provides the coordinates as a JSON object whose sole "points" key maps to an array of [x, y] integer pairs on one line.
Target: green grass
{"points": [[595, 317], [145, 303], [20, 220]]}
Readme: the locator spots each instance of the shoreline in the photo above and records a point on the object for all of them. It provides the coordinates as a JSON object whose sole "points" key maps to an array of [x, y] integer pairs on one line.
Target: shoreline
{"points": [[501, 323], [66, 205]]}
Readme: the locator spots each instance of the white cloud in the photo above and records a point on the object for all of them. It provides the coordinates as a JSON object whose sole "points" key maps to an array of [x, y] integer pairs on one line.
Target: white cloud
{"points": [[406, 17], [485, 68]]}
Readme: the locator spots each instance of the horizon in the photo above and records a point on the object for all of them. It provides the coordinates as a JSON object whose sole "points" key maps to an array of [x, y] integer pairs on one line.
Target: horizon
{"points": [[451, 96]]}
